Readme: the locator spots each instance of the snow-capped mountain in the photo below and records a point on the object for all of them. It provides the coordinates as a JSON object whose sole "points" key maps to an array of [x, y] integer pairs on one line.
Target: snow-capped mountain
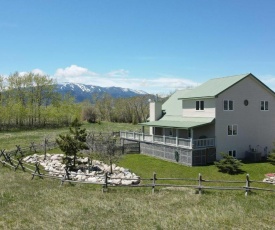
{"points": [[82, 92]]}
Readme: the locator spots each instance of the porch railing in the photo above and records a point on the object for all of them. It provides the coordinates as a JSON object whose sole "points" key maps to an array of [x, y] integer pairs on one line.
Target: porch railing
{"points": [[167, 140]]}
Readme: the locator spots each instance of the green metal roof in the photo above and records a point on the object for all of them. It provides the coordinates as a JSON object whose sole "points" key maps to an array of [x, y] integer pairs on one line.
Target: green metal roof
{"points": [[179, 122], [213, 87], [173, 106]]}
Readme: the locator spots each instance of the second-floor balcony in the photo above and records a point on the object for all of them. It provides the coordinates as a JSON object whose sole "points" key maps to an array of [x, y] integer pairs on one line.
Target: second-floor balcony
{"points": [[188, 143]]}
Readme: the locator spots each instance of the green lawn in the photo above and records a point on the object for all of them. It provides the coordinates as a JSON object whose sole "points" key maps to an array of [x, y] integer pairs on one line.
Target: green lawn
{"points": [[8, 139], [44, 204]]}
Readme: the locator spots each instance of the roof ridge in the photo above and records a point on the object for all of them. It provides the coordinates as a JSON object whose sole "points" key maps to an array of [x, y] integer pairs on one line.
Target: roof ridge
{"points": [[237, 75]]}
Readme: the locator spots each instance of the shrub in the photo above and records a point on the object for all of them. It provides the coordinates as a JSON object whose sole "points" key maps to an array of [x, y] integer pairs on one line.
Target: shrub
{"points": [[229, 164], [271, 158], [89, 114]]}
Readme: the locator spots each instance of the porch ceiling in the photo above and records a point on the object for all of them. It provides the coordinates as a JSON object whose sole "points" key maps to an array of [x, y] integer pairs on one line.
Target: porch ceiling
{"points": [[180, 122]]}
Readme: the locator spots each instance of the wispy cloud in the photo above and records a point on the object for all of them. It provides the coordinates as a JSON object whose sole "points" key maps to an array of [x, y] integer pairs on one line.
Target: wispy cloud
{"points": [[118, 73], [121, 78], [269, 80]]}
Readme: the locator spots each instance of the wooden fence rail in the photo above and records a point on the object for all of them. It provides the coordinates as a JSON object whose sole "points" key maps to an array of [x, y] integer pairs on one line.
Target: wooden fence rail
{"points": [[14, 159], [199, 183]]}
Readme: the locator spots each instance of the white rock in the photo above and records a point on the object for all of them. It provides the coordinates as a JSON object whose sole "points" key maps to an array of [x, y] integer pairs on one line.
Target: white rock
{"points": [[128, 176], [120, 175], [126, 182], [93, 173], [117, 168], [92, 179], [80, 177], [54, 157], [116, 181], [26, 158]]}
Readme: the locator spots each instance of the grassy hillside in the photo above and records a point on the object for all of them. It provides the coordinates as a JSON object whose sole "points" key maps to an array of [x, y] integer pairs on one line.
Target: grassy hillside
{"points": [[44, 204]]}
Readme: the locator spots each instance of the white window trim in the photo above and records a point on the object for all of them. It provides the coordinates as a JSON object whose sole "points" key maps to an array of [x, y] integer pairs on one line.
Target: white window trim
{"points": [[264, 105], [232, 130], [228, 105], [232, 153]]}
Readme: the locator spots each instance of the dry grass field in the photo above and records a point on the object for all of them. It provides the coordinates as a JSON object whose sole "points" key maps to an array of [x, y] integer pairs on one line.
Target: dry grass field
{"points": [[44, 204]]}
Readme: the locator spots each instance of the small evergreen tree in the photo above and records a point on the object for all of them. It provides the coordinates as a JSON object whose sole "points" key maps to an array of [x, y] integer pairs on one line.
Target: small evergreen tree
{"points": [[271, 158], [73, 142], [229, 164]]}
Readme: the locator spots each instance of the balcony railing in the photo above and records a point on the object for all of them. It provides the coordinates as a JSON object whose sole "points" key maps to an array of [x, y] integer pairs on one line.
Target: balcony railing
{"points": [[167, 140]]}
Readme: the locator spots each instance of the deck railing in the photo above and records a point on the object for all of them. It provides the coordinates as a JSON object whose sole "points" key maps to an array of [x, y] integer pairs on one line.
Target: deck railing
{"points": [[167, 140]]}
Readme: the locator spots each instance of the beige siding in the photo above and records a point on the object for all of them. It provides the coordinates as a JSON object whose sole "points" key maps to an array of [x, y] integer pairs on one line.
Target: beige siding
{"points": [[189, 108], [256, 128], [207, 130]]}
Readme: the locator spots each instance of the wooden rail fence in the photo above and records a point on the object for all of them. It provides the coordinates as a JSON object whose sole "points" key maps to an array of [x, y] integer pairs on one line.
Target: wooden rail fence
{"points": [[198, 183]]}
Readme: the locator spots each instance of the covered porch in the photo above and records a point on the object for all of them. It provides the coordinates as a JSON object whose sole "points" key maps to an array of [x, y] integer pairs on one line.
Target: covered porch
{"points": [[188, 143], [186, 132]]}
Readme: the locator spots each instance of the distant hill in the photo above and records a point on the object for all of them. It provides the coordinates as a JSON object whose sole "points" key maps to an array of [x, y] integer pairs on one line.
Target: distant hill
{"points": [[83, 92]]}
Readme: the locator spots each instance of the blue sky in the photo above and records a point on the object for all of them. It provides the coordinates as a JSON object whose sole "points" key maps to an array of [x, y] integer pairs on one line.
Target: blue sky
{"points": [[152, 45]]}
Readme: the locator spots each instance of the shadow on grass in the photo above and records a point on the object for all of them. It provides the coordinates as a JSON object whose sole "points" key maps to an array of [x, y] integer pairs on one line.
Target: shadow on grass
{"points": [[235, 172]]}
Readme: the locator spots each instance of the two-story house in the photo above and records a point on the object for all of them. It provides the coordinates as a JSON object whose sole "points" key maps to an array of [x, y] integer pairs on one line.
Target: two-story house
{"points": [[234, 115]]}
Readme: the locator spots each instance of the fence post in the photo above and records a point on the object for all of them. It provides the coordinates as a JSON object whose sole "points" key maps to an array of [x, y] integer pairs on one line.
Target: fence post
{"points": [[19, 163], [105, 185], [2, 153], [32, 147], [45, 147], [37, 170], [247, 185], [154, 182], [18, 150], [200, 187]]}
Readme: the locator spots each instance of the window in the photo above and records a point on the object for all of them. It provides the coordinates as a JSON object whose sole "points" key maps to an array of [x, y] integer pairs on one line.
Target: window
{"points": [[264, 105], [232, 130], [232, 153], [199, 105], [228, 105]]}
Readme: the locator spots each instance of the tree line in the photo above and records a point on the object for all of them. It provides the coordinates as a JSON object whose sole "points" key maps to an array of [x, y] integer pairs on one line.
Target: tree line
{"points": [[31, 100], [124, 110]]}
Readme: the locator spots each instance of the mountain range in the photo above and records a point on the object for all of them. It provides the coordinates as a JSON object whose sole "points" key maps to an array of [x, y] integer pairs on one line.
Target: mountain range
{"points": [[83, 92]]}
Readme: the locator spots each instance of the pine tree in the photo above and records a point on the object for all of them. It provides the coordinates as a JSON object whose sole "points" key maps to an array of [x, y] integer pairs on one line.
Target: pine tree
{"points": [[229, 164], [73, 142]]}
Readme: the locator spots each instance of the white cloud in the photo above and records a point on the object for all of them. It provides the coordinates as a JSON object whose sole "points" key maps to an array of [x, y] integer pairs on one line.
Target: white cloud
{"points": [[121, 78], [21, 74], [38, 71], [118, 73], [74, 71], [269, 80]]}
